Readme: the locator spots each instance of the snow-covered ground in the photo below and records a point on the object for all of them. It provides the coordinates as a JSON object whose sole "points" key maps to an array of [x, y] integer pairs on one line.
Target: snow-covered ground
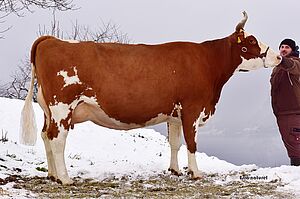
{"points": [[96, 152]]}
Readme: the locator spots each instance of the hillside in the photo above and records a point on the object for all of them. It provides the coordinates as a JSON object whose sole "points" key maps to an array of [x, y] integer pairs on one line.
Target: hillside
{"points": [[105, 162]]}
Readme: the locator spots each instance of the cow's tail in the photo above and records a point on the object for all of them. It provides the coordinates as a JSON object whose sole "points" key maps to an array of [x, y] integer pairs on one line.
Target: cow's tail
{"points": [[28, 130]]}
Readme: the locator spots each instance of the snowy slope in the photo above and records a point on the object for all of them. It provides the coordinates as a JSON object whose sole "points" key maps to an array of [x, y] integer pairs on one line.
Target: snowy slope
{"points": [[97, 152]]}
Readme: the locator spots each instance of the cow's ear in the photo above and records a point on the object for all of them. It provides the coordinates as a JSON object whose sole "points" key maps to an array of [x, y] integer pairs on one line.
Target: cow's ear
{"points": [[239, 40], [240, 36]]}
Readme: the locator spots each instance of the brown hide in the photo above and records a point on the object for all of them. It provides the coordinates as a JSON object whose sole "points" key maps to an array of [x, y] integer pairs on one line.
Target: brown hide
{"points": [[126, 86], [135, 83]]}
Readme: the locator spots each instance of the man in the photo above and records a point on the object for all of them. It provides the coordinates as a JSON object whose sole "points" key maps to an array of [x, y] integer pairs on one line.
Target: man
{"points": [[285, 94]]}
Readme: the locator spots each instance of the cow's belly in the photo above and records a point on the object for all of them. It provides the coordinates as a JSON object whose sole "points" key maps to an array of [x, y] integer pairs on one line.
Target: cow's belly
{"points": [[90, 112]]}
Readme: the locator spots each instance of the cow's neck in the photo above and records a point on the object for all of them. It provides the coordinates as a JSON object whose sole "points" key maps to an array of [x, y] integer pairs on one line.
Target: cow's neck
{"points": [[226, 59]]}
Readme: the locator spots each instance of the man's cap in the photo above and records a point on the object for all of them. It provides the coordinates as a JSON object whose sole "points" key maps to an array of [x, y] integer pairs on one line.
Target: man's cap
{"points": [[291, 43]]}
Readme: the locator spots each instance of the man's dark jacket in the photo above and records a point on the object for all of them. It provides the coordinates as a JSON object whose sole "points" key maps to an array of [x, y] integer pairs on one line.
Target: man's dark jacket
{"points": [[285, 87]]}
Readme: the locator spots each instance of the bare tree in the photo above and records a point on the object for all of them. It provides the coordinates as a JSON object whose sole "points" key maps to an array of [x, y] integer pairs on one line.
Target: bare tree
{"points": [[20, 7], [17, 87], [3, 30], [107, 32]]}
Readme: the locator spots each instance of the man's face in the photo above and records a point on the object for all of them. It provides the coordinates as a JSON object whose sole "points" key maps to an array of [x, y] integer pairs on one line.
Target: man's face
{"points": [[285, 50]]}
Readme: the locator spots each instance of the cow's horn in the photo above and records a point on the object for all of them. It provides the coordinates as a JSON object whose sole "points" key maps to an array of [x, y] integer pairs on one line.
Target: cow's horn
{"points": [[242, 23]]}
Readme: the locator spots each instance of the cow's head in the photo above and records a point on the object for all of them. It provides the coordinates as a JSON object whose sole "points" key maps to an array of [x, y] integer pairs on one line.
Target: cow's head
{"points": [[254, 54]]}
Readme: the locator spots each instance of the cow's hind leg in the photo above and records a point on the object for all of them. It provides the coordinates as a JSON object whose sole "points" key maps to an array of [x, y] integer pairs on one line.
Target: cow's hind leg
{"points": [[57, 146], [49, 154], [174, 135], [51, 164], [54, 145]]}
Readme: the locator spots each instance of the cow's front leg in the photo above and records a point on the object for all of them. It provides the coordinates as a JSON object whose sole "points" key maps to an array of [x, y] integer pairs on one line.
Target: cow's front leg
{"points": [[58, 148], [174, 134], [189, 131], [192, 164], [51, 164]]}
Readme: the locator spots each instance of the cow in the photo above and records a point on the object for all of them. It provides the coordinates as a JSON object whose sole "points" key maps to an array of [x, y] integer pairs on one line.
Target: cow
{"points": [[127, 86]]}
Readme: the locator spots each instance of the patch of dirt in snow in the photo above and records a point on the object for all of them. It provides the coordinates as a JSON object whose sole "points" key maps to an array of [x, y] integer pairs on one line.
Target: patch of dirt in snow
{"points": [[158, 186]]}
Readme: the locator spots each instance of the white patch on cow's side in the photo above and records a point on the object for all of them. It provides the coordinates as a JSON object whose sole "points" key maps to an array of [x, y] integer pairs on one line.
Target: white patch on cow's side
{"points": [[59, 111], [69, 80], [199, 121]]}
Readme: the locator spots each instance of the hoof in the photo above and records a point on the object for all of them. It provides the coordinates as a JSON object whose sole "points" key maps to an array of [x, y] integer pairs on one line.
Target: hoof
{"points": [[174, 172], [65, 182], [52, 178], [195, 175]]}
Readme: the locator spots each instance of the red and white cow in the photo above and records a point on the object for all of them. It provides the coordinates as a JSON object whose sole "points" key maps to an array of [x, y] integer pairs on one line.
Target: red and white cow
{"points": [[126, 86]]}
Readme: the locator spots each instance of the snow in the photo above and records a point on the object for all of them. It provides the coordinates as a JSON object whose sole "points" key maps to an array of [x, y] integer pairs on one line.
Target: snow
{"points": [[96, 152]]}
